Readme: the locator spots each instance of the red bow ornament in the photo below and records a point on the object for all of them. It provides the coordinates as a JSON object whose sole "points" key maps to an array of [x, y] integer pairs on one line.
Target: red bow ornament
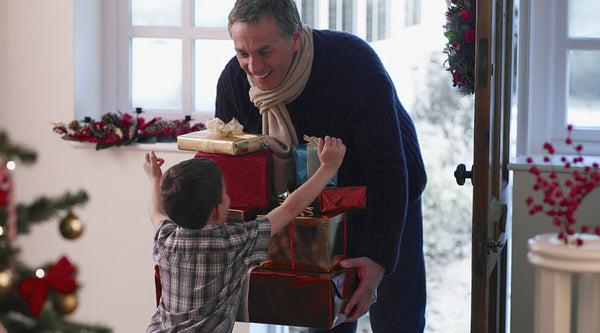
{"points": [[34, 290]]}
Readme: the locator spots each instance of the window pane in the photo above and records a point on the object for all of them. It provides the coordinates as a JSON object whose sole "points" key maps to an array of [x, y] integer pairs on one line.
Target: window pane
{"points": [[584, 89], [348, 16], [211, 13], [333, 14], [156, 73], [583, 18], [211, 56], [308, 12], [156, 12]]}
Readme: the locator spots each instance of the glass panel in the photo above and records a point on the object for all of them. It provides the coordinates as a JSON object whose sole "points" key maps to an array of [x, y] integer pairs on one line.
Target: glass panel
{"points": [[156, 12], [308, 12], [583, 18], [211, 13], [211, 56], [156, 73], [583, 103], [382, 19], [333, 14], [348, 16]]}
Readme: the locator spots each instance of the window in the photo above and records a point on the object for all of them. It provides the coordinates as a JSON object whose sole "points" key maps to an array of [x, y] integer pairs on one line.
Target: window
{"points": [[563, 46], [166, 56], [171, 54]]}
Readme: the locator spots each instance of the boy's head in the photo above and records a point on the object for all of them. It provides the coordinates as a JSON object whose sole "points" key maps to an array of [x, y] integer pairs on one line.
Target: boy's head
{"points": [[190, 190]]}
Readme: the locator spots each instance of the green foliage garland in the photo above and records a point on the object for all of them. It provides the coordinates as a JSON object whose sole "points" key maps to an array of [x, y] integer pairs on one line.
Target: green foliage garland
{"points": [[460, 49]]}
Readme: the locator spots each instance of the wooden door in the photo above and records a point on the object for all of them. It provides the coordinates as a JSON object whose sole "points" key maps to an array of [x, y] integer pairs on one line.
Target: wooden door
{"points": [[490, 178]]}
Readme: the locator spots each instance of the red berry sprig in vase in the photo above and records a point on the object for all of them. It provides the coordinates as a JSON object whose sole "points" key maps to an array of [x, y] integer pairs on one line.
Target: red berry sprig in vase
{"points": [[561, 200]]}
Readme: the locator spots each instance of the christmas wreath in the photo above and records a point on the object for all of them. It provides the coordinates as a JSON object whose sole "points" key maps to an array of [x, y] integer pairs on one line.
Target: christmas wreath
{"points": [[119, 129], [460, 49]]}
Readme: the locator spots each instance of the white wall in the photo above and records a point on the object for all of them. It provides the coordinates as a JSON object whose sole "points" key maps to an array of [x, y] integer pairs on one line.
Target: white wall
{"points": [[114, 254]]}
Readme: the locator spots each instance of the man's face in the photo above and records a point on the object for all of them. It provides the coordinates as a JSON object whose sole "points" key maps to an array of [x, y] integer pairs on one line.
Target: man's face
{"points": [[263, 53]]}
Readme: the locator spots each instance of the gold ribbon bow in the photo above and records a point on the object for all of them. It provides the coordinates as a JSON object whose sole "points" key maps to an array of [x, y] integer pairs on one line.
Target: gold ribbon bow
{"points": [[218, 128], [312, 140]]}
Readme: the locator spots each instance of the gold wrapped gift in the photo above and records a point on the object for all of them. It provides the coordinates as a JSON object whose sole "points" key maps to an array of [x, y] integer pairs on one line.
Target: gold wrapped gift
{"points": [[221, 138], [309, 243]]}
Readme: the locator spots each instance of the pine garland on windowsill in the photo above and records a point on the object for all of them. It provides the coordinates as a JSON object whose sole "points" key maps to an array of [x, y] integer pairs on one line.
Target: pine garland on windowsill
{"points": [[121, 129]]}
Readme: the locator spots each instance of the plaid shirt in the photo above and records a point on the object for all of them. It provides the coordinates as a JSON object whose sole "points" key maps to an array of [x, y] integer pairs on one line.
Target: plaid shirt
{"points": [[203, 273]]}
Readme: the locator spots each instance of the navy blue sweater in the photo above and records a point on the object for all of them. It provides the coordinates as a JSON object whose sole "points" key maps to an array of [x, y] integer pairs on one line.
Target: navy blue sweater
{"points": [[350, 95]]}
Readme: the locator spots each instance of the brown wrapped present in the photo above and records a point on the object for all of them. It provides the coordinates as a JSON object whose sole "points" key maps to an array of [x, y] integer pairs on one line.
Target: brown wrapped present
{"points": [[299, 298], [220, 138], [238, 215], [309, 243]]}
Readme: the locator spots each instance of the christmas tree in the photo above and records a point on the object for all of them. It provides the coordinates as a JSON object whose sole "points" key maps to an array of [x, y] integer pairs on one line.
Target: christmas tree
{"points": [[36, 299]]}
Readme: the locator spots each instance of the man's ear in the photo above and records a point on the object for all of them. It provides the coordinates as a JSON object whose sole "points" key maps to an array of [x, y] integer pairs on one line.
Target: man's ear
{"points": [[297, 40]]}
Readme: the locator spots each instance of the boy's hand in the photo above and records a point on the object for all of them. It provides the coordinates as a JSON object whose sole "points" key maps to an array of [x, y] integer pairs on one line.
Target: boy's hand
{"points": [[152, 165], [331, 152]]}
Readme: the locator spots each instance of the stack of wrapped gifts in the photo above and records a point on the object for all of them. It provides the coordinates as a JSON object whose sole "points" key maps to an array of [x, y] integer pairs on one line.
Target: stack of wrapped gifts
{"points": [[301, 283]]}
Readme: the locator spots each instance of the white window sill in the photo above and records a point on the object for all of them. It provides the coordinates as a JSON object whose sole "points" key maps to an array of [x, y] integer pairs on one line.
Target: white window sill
{"points": [[520, 163], [157, 147]]}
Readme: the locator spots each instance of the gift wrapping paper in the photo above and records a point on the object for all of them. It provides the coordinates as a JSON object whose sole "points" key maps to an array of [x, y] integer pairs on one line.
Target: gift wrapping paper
{"points": [[208, 142], [309, 243], [307, 162], [342, 198], [238, 215], [246, 177], [299, 298]]}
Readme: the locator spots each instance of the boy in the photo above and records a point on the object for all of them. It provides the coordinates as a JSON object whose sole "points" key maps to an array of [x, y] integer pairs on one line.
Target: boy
{"points": [[203, 261]]}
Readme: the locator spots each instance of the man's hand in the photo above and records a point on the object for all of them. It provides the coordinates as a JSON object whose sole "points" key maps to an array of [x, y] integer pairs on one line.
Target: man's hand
{"points": [[370, 274]]}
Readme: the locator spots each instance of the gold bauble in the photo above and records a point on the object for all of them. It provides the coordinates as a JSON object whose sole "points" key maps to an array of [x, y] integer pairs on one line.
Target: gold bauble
{"points": [[6, 280], [71, 226], [65, 304]]}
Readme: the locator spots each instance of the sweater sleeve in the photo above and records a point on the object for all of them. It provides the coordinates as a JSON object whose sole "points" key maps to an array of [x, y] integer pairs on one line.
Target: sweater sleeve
{"points": [[386, 141]]}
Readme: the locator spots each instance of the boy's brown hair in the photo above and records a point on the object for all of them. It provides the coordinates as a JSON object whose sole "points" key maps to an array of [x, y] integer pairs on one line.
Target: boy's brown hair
{"points": [[190, 190]]}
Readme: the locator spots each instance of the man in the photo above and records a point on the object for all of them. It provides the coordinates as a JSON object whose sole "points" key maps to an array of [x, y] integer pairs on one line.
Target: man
{"points": [[288, 80]]}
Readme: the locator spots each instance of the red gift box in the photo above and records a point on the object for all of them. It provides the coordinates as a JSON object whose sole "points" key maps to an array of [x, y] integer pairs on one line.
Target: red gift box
{"points": [[246, 177], [342, 198], [299, 298]]}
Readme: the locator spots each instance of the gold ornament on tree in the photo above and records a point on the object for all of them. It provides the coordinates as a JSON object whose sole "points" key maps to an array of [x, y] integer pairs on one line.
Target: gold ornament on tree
{"points": [[65, 304], [71, 226], [6, 280]]}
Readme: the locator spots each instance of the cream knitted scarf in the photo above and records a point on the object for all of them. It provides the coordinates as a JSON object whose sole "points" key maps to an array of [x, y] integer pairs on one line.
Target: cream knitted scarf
{"points": [[276, 122]]}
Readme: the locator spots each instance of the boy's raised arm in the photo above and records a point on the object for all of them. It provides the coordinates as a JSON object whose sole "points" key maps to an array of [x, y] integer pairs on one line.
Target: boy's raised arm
{"points": [[152, 166], [331, 154]]}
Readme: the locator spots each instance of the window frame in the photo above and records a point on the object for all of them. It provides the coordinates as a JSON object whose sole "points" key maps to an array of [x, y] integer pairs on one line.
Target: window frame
{"points": [[543, 85]]}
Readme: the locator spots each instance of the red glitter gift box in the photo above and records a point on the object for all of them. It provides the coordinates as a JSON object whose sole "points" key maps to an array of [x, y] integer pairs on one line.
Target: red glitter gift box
{"points": [[342, 198], [246, 177]]}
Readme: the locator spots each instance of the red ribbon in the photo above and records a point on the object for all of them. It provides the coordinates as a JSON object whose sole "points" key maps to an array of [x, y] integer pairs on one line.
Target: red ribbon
{"points": [[7, 201], [292, 245], [34, 290]]}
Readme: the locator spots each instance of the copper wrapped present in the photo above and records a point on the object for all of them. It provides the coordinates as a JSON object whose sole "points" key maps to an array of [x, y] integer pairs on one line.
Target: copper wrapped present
{"points": [[220, 138], [299, 298], [309, 243], [342, 198]]}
